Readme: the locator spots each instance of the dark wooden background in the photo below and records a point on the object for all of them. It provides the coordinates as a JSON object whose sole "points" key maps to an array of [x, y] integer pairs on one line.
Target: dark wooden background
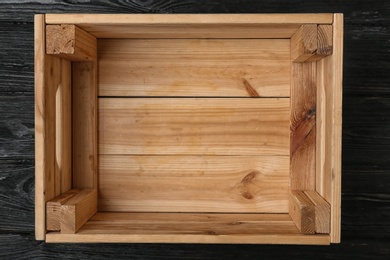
{"points": [[366, 132]]}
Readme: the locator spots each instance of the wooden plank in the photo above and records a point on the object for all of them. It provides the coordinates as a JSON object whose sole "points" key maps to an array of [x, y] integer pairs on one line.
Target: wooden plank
{"points": [[329, 78], [194, 183], [70, 42], [193, 31], [303, 126], [47, 80], [217, 19], [53, 210], [196, 228], [84, 124], [64, 130], [194, 67], [302, 211], [209, 126], [322, 212], [324, 42], [304, 43], [190, 26], [77, 210]]}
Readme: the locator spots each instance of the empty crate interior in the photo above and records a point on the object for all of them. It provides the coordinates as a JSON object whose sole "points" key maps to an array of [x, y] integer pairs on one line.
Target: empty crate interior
{"points": [[202, 129], [194, 125]]}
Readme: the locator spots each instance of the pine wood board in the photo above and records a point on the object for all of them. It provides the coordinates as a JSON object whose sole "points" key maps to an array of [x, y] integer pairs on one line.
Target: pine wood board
{"points": [[194, 183], [187, 19], [328, 171], [209, 126], [84, 124], [189, 227], [190, 25], [194, 67]]}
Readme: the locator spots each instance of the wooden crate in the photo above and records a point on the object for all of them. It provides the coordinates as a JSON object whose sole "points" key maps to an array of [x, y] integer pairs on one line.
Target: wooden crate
{"points": [[188, 128]]}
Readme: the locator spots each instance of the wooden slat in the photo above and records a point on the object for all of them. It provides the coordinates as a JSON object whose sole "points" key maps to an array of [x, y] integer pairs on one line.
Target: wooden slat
{"points": [[213, 126], [195, 228], [190, 26], [304, 43], [77, 210], [194, 183], [186, 19], [53, 210], [194, 67], [193, 31], [329, 80], [322, 212], [303, 126], [64, 130], [84, 120], [47, 80], [70, 42], [302, 211]]}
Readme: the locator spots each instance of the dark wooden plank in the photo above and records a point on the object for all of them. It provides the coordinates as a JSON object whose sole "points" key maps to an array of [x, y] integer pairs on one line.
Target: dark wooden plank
{"points": [[17, 58], [16, 196], [17, 127], [366, 131]]}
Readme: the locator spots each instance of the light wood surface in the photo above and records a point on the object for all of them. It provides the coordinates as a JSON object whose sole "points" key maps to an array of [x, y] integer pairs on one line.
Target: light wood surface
{"points": [[190, 25], [303, 126], [77, 210], [53, 210], [64, 129], [209, 126], [194, 67], [324, 42], [187, 19], [70, 42], [322, 212], [304, 43], [191, 31], [328, 171], [47, 79], [189, 227], [194, 183], [302, 211], [84, 120]]}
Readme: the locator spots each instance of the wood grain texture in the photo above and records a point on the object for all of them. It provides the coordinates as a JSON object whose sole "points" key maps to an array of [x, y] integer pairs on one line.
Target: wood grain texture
{"points": [[47, 79], [324, 42], [322, 212], [53, 210], [303, 126], [63, 128], [188, 19], [210, 126], [304, 43], [84, 124], [70, 42], [329, 81], [195, 26], [194, 183], [193, 67], [77, 210], [365, 225], [302, 211], [198, 228]]}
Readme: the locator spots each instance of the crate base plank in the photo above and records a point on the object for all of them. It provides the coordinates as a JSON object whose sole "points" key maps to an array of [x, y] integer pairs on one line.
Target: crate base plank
{"points": [[187, 128], [190, 228]]}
